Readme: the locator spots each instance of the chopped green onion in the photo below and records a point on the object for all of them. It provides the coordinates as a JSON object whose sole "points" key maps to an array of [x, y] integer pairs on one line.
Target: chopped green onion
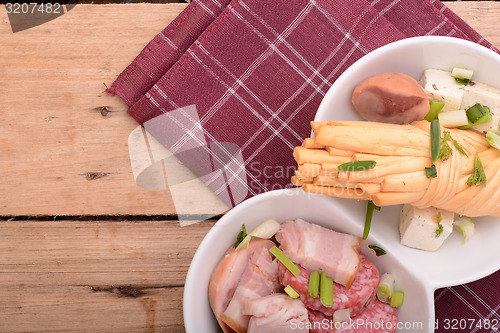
{"points": [[385, 287], [462, 73], [369, 215], [378, 250], [241, 235], [435, 106], [285, 260], [357, 166], [326, 290], [435, 139], [466, 228], [314, 284], [486, 118], [462, 81], [475, 112], [342, 315], [397, 299], [493, 139], [291, 292], [431, 172], [452, 119], [478, 176], [244, 243], [439, 230], [265, 230]]}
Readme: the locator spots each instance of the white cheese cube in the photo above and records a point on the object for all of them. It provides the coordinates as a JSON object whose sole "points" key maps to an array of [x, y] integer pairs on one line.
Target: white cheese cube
{"points": [[418, 227], [477, 92], [439, 84]]}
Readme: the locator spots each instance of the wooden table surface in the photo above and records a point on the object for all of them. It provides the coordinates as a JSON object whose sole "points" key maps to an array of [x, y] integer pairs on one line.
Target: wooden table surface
{"points": [[82, 247]]}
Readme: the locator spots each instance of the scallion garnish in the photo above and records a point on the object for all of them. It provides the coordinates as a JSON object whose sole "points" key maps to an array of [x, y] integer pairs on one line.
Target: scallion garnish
{"points": [[326, 290], [385, 287], [397, 299], [477, 114], [435, 106], [265, 230], [341, 316], [478, 176], [291, 292], [462, 73], [378, 250], [431, 172], [493, 139], [369, 215], [466, 227], [241, 235], [462, 81], [435, 140], [285, 260], [357, 166], [314, 284]]}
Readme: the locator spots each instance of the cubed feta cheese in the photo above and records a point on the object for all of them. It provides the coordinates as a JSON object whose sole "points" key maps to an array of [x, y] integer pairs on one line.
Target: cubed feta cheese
{"points": [[418, 227], [439, 84], [477, 92]]}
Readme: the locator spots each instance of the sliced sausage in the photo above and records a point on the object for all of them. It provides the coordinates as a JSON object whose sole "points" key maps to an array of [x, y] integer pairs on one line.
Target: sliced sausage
{"points": [[362, 290], [377, 318], [390, 98]]}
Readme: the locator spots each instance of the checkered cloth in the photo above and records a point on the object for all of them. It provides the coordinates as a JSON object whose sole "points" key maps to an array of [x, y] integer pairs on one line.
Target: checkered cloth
{"points": [[230, 88]]}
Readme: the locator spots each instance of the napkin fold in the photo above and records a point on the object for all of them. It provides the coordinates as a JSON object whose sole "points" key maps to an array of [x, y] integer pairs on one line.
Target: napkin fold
{"points": [[230, 86]]}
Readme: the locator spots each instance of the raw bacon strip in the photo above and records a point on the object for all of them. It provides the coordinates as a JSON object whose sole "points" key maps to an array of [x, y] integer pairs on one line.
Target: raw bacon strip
{"points": [[277, 313], [317, 248], [377, 318], [258, 280], [362, 290], [234, 273]]}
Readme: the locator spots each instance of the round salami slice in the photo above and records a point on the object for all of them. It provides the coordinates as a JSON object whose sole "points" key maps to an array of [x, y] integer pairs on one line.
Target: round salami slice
{"points": [[362, 290], [377, 318]]}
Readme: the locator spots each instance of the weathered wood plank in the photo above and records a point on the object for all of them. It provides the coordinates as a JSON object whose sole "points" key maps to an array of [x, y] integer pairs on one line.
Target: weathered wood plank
{"points": [[115, 276], [480, 15], [60, 154]]}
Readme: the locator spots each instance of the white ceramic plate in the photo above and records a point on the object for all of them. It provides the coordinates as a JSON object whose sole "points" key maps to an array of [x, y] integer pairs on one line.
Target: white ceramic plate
{"points": [[418, 273]]}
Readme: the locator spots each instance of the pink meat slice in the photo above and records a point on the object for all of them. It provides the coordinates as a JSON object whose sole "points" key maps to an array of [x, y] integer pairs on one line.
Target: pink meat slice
{"points": [[235, 273], [317, 248], [259, 279], [277, 313], [377, 318], [362, 290]]}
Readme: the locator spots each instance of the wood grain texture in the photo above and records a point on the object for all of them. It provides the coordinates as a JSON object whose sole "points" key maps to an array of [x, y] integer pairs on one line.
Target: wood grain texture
{"points": [[480, 15], [63, 140], [74, 276]]}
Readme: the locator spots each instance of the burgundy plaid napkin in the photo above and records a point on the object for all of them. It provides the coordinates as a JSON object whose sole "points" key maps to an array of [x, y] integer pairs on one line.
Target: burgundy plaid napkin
{"points": [[230, 88]]}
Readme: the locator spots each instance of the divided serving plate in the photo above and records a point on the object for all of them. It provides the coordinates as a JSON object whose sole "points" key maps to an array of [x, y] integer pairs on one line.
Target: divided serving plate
{"points": [[418, 273]]}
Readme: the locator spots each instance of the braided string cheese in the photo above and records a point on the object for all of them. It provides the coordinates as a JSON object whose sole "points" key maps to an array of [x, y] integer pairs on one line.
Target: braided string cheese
{"points": [[402, 153]]}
